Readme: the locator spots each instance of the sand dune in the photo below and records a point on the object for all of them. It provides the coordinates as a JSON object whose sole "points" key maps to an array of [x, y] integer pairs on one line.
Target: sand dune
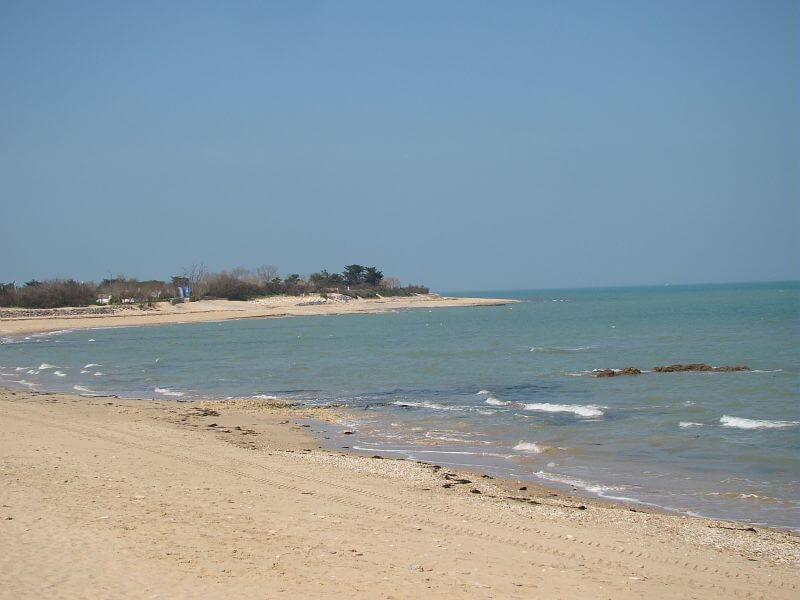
{"points": [[103, 498]]}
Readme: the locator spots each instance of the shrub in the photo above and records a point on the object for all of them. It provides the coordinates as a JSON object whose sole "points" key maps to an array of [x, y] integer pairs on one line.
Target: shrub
{"points": [[225, 285], [49, 294]]}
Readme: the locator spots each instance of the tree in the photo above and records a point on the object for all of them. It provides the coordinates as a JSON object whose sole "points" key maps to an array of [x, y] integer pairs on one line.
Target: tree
{"points": [[266, 273], [353, 274], [372, 276], [391, 282]]}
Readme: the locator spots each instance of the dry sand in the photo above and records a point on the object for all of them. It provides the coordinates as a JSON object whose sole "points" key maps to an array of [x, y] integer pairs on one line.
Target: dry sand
{"points": [[109, 498], [21, 321]]}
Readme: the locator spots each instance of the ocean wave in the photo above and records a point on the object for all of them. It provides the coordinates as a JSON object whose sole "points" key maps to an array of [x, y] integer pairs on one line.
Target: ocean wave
{"points": [[562, 349], [97, 373], [46, 334], [429, 405], [495, 402], [59, 374], [484, 393], [578, 409], [531, 447], [767, 371], [167, 392], [690, 424], [45, 366], [741, 423], [416, 451], [90, 365], [80, 388], [265, 397], [589, 486]]}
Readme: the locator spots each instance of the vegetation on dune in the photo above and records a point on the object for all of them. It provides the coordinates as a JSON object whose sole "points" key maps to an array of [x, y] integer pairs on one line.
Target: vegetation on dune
{"points": [[357, 281]]}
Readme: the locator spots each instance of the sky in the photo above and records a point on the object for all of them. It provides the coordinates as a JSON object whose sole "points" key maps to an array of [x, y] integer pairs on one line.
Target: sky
{"points": [[464, 145]]}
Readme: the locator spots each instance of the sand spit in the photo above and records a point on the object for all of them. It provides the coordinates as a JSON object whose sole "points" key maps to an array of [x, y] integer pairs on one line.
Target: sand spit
{"points": [[102, 497], [15, 321]]}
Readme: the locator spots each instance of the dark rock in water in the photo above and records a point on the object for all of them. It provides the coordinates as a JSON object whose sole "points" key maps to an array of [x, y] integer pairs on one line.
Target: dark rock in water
{"points": [[613, 373], [630, 371], [699, 367]]}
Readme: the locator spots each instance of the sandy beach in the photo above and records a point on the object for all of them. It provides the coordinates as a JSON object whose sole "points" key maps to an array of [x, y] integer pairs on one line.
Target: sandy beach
{"points": [[14, 321], [102, 497]]}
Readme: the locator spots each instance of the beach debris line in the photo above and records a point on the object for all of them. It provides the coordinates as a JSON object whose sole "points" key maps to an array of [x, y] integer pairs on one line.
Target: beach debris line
{"points": [[676, 368]]}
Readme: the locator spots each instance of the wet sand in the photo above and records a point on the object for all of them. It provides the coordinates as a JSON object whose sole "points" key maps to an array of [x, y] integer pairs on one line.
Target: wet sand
{"points": [[23, 321], [102, 497]]}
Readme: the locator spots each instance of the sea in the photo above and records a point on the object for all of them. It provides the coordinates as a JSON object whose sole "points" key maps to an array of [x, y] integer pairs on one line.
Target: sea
{"points": [[508, 390]]}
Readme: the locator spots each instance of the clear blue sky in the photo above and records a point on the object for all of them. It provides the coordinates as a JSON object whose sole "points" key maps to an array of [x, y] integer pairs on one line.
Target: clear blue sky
{"points": [[466, 145]]}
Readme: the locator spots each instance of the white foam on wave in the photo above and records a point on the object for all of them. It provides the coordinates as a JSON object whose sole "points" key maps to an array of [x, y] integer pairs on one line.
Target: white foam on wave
{"points": [[265, 397], [767, 370], [90, 365], [531, 447], [690, 424], [45, 366], [484, 393], [167, 392], [84, 371], [589, 486], [562, 349], [430, 405], [495, 402], [741, 423], [59, 373], [80, 388], [20, 368], [28, 383], [97, 374], [578, 409]]}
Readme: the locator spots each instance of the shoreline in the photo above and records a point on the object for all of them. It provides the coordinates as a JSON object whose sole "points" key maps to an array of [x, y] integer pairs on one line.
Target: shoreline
{"points": [[237, 494], [201, 311]]}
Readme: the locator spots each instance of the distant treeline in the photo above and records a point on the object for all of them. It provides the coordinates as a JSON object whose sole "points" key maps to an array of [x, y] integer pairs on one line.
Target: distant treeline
{"points": [[236, 284]]}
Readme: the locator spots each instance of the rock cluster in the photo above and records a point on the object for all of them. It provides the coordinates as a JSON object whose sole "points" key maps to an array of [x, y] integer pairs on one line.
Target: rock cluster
{"points": [[698, 367], [701, 367], [615, 372]]}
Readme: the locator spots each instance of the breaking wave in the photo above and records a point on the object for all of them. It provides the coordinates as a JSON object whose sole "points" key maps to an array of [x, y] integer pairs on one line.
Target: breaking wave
{"points": [[562, 349], [167, 392], [496, 402], [531, 447], [578, 409], [740, 423]]}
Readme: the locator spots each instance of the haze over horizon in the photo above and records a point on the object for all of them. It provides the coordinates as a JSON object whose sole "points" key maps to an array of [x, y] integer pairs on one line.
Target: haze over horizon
{"points": [[455, 144]]}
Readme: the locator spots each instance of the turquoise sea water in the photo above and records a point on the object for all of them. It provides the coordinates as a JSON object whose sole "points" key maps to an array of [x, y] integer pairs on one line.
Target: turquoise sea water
{"points": [[509, 388]]}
